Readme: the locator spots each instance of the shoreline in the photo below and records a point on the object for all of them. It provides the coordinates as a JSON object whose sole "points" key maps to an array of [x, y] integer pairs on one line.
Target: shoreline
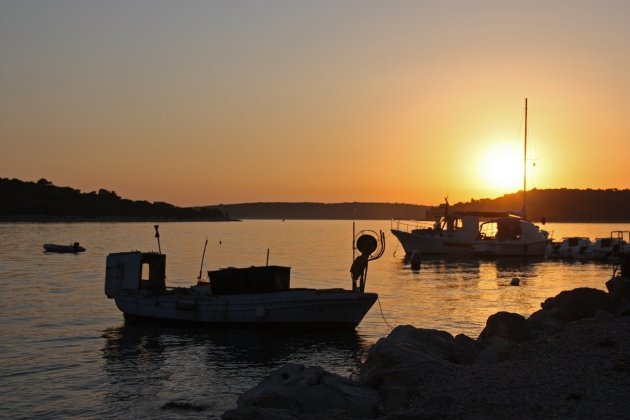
{"points": [[112, 219], [124, 219], [570, 359]]}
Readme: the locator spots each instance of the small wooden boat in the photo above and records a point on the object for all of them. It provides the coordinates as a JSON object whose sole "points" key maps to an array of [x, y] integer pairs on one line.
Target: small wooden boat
{"points": [[252, 296], [75, 248]]}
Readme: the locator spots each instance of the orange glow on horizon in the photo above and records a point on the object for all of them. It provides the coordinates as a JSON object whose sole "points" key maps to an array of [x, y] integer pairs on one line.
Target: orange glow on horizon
{"points": [[217, 102]]}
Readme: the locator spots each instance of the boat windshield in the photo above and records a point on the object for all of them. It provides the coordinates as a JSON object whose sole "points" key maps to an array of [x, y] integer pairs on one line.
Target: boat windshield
{"points": [[447, 223], [503, 229]]}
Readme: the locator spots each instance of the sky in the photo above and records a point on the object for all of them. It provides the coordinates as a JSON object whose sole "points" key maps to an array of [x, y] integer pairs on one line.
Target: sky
{"points": [[219, 102]]}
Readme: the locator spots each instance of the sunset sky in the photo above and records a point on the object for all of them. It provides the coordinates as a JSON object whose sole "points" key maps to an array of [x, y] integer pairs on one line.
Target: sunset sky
{"points": [[208, 102]]}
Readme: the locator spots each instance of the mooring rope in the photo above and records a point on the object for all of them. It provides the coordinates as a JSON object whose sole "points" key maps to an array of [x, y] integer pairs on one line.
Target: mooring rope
{"points": [[382, 315]]}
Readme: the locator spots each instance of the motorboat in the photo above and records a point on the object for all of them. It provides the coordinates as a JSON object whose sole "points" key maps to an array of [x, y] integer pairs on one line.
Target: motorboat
{"points": [[74, 248], [258, 296], [573, 247], [494, 234], [473, 234], [606, 248], [510, 237]]}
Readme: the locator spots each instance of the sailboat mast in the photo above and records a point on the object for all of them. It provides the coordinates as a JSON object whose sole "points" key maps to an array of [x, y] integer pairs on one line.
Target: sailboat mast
{"points": [[525, 167]]}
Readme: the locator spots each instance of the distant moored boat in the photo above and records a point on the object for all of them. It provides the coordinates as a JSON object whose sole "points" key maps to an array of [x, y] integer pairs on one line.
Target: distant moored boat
{"points": [[74, 248]]}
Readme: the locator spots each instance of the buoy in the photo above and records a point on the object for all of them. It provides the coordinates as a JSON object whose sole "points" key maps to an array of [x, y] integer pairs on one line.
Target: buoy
{"points": [[515, 281]]}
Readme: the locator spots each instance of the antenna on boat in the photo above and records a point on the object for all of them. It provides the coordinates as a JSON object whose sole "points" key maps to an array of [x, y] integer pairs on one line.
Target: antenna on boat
{"points": [[524, 211], [202, 258], [157, 235]]}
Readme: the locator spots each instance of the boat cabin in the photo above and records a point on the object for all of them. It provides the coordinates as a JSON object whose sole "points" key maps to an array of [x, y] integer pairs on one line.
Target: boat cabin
{"points": [[231, 280], [135, 271]]}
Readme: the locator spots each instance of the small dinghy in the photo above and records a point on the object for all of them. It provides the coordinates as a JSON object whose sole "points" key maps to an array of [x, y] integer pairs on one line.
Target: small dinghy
{"points": [[75, 248]]}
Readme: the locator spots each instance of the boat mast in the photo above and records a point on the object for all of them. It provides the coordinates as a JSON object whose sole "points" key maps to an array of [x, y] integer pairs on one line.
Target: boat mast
{"points": [[524, 211]]}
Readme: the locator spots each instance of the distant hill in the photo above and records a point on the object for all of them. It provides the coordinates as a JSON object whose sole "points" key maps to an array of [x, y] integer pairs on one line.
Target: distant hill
{"points": [[41, 200], [340, 211], [556, 205]]}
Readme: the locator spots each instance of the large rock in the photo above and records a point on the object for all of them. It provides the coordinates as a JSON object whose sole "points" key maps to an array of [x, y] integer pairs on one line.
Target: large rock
{"points": [[619, 290], [545, 323], [408, 362], [583, 302], [465, 349], [507, 325], [495, 349], [296, 391]]}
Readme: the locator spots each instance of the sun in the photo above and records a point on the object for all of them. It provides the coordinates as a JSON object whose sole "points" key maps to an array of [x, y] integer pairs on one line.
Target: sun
{"points": [[501, 168]]}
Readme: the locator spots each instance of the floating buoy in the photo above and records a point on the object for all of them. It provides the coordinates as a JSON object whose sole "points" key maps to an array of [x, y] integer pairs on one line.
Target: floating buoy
{"points": [[515, 281]]}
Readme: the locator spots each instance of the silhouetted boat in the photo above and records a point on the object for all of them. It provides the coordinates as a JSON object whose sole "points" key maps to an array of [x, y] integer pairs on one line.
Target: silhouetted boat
{"points": [[253, 296], [64, 249], [573, 247], [494, 234], [473, 234], [607, 248]]}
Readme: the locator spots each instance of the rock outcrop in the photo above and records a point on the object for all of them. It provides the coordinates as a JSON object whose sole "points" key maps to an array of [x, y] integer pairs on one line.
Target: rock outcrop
{"points": [[568, 360]]}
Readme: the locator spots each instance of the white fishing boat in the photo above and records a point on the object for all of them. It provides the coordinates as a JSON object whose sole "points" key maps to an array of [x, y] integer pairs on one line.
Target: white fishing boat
{"points": [[252, 296], [606, 249], [495, 234], [510, 237], [573, 247]]}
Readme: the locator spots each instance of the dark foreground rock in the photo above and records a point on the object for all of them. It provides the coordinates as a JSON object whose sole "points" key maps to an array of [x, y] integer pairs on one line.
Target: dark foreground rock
{"points": [[310, 392], [571, 359]]}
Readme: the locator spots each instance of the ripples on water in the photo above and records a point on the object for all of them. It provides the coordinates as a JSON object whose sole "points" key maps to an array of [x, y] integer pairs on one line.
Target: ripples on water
{"points": [[65, 350]]}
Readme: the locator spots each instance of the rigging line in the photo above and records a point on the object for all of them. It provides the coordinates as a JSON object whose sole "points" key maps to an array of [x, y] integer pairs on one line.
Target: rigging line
{"points": [[395, 249], [378, 299]]}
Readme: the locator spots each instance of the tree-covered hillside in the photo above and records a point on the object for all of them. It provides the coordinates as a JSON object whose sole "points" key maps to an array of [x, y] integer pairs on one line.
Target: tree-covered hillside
{"points": [[557, 205], [20, 199]]}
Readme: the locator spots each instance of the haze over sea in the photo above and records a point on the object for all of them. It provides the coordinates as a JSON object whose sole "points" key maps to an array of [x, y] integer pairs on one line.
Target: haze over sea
{"points": [[65, 350]]}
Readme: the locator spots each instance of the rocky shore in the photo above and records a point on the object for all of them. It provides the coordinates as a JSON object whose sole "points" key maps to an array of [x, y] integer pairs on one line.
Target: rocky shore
{"points": [[570, 359]]}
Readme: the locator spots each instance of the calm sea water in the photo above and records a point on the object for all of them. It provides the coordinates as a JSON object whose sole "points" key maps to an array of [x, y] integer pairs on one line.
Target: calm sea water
{"points": [[65, 350]]}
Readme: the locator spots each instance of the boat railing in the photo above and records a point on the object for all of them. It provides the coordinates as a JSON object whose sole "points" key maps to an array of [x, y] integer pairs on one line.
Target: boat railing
{"points": [[622, 262], [622, 236], [410, 225]]}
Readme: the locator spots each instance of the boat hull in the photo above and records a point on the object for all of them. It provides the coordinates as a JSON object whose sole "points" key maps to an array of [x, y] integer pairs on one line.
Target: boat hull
{"points": [[498, 248], [432, 244], [443, 245], [298, 308]]}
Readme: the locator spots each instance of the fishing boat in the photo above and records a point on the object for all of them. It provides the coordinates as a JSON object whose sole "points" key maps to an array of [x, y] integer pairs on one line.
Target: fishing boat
{"points": [[253, 296], [573, 247], [496, 234], [607, 248], [510, 237], [74, 248]]}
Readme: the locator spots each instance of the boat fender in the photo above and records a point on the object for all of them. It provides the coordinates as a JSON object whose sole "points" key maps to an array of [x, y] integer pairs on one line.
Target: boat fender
{"points": [[261, 312]]}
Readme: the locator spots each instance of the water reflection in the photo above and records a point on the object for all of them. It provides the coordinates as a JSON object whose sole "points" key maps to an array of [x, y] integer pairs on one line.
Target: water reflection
{"points": [[157, 365], [237, 345]]}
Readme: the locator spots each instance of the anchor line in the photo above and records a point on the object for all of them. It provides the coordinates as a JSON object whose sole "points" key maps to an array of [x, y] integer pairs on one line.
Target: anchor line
{"points": [[378, 299]]}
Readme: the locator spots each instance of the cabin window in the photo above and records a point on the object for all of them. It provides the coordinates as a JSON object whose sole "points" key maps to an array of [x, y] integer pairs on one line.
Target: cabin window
{"points": [[144, 273]]}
